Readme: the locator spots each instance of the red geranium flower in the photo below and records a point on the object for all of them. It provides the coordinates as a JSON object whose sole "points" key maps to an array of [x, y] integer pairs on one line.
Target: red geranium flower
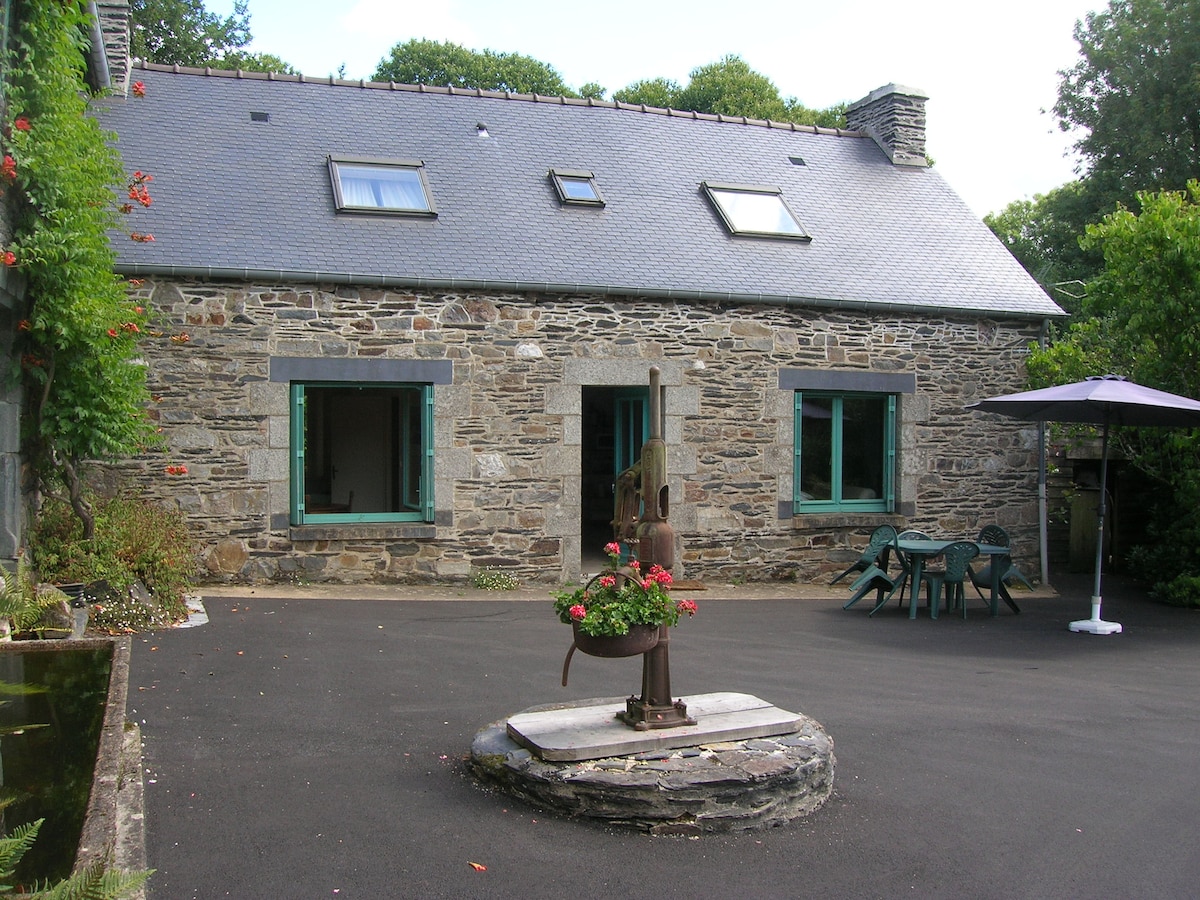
{"points": [[21, 124], [577, 612]]}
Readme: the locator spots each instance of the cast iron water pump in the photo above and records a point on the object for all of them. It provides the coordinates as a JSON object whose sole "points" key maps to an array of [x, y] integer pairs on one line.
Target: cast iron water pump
{"points": [[656, 546]]}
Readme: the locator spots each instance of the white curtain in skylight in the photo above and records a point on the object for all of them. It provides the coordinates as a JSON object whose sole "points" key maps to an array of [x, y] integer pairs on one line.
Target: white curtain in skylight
{"points": [[382, 187]]}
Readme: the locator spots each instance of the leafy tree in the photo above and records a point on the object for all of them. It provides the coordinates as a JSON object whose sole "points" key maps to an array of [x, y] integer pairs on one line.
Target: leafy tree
{"points": [[451, 65], [1134, 96], [658, 92], [1144, 310], [1151, 285], [730, 87], [253, 62], [1044, 235], [183, 32], [85, 391]]}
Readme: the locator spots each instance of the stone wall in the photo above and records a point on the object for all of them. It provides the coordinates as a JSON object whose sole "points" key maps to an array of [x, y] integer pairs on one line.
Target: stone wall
{"points": [[508, 428]]}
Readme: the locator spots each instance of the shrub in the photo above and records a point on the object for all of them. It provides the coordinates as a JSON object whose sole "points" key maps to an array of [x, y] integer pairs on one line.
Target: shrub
{"points": [[1183, 590], [135, 541]]}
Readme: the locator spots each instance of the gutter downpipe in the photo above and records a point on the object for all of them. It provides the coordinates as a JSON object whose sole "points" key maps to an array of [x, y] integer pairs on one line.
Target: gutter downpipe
{"points": [[97, 58], [1043, 539]]}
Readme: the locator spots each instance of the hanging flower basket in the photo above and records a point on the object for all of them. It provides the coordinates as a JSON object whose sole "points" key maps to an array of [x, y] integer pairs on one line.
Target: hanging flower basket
{"points": [[638, 639], [620, 612]]}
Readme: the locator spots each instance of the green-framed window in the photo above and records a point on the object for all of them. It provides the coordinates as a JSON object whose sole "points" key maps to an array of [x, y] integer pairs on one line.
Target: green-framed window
{"points": [[361, 452], [845, 447]]}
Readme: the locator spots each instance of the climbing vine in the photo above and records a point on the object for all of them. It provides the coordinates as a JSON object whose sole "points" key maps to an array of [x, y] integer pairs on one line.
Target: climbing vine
{"points": [[77, 343]]}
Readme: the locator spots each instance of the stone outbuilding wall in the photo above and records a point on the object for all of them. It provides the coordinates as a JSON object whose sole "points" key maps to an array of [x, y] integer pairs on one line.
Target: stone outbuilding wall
{"points": [[508, 426]]}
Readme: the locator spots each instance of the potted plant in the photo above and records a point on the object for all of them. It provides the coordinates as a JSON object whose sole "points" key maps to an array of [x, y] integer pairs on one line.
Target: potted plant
{"points": [[620, 611]]}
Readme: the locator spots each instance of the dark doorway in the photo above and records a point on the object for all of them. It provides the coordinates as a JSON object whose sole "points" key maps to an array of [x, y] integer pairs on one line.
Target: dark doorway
{"points": [[615, 425]]}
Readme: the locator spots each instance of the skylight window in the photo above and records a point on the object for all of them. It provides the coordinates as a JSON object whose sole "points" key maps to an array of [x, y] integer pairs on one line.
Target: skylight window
{"points": [[754, 210], [383, 186], [576, 188]]}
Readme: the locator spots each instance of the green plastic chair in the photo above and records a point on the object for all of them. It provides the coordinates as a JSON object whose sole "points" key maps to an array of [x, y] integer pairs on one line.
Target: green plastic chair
{"points": [[952, 579], [875, 578], [882, 538], [998, 537], [879, 581]]}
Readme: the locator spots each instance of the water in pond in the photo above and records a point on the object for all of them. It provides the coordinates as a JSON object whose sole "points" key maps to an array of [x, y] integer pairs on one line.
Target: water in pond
{"points": [[47, 771]]}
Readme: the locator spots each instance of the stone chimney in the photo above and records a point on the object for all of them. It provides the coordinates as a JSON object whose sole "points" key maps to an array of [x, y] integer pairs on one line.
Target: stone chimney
{"points": [[109, 60], [894, 116]]}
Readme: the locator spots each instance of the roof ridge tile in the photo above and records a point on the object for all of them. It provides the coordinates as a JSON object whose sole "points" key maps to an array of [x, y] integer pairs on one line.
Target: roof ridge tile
{"points": [[451, 91]]}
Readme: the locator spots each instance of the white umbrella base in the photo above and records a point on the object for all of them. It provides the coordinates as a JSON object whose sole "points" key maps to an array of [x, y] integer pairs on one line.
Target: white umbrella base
{"points": [[1096, 626]]}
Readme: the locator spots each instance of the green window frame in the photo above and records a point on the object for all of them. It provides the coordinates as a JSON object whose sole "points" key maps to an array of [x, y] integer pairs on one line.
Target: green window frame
{"points": [[845, 452], [361, 452]]}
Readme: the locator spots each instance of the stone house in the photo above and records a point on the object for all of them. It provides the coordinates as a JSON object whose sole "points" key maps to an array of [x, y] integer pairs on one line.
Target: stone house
{"points": [[405, 332]]}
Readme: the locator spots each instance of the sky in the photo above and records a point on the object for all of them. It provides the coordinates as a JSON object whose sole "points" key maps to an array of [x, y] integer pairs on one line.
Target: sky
{"points": [[990, 69]]}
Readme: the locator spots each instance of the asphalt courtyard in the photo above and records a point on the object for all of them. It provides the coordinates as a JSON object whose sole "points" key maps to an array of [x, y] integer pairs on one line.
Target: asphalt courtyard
{"points": [[304, 745]]}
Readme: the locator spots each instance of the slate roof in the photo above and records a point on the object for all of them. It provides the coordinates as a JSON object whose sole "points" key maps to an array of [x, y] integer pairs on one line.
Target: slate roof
{"points": [[235, 198]]}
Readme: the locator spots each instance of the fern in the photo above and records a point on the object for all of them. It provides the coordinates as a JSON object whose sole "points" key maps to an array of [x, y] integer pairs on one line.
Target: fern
{"points": [[96, 882], [20, 602], [93, 883], [13, 847]]}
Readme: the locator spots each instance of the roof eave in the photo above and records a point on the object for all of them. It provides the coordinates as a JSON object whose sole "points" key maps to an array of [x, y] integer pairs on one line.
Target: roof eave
{"points": [[294, 276]]}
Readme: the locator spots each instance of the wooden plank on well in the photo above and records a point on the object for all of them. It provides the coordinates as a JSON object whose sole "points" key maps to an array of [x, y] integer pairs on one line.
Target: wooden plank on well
{"points": [[590, 729]]}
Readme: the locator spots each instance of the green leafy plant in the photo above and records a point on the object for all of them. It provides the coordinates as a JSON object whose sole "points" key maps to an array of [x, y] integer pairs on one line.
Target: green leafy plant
{"points": [[96, 882], [77, 343], [134, 542], [21, 605], [621, 597], [1183, 590]]}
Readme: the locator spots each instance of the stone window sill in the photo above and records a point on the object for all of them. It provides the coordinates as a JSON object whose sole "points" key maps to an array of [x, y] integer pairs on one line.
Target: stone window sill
{"points": [[363, 531], [827, 521]]}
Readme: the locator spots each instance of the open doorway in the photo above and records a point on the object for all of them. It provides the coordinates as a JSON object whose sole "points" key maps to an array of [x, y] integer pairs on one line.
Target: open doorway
{"points": [[616, 423]]}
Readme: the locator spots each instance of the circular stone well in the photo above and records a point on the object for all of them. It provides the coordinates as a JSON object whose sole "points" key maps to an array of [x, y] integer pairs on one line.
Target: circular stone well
{"points": [[735, 785]]}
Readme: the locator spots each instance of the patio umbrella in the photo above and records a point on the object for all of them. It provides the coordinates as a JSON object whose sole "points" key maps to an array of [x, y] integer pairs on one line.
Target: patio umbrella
{"points": [[1104, 400]]}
